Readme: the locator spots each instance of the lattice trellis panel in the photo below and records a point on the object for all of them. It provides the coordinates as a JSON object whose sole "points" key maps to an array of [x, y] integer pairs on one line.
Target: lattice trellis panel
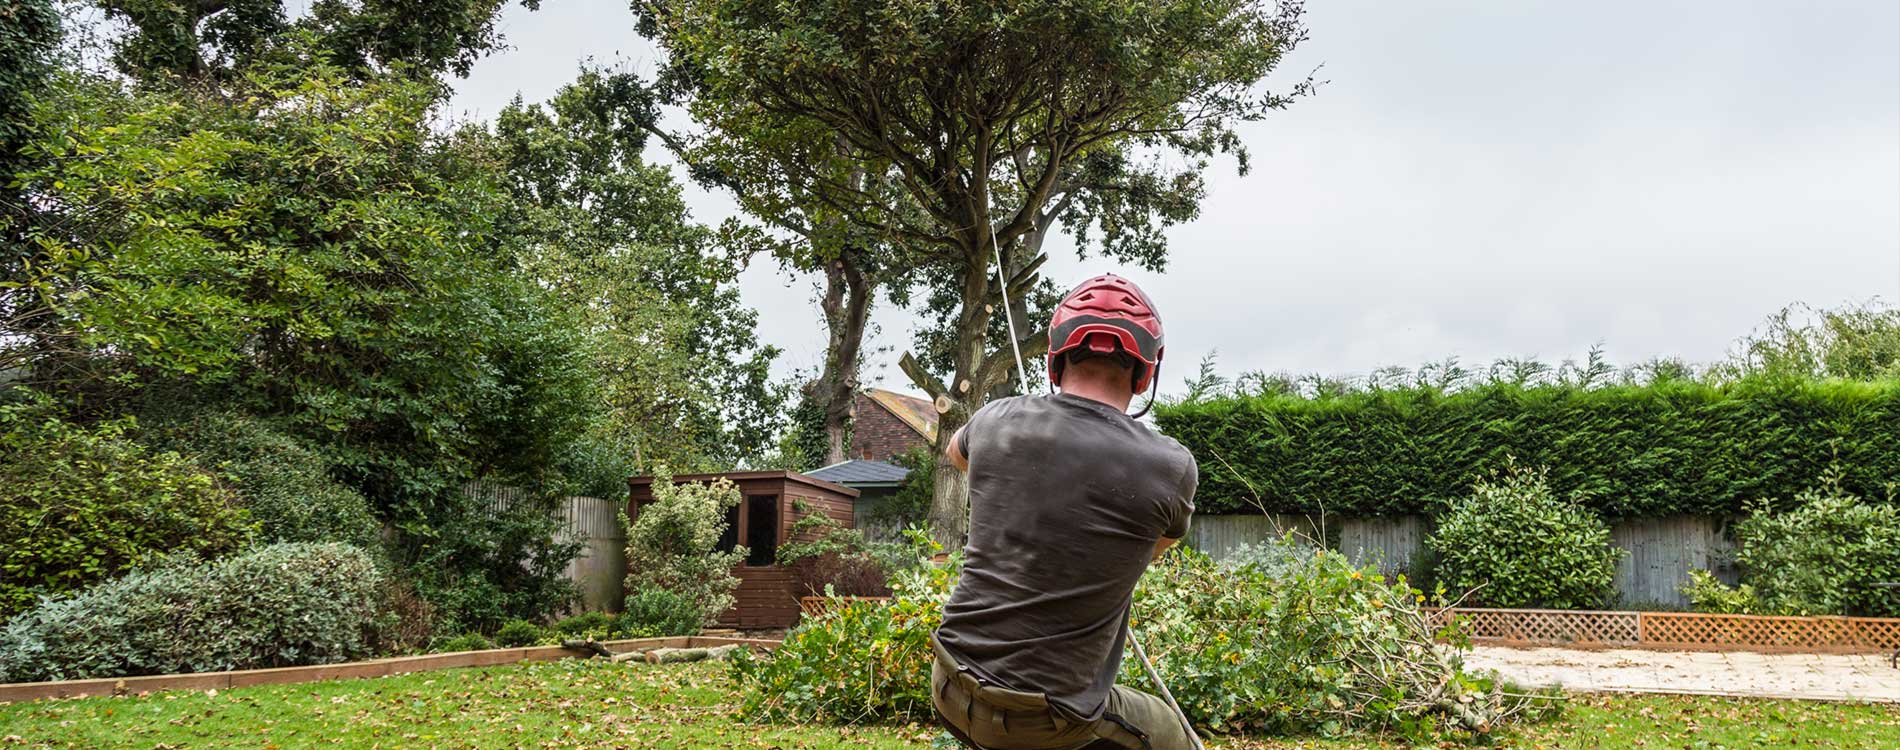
{"points": [[816, 606], [1545, 626], [1749, 631]]}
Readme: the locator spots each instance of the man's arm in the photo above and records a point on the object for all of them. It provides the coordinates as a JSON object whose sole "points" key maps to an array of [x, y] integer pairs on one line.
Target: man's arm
{"points": [[1162, 545], [954, 451]]}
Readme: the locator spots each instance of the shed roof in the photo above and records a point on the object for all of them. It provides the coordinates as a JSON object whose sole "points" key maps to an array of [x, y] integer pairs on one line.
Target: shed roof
{"points": [[916, 413], [862, 473]]}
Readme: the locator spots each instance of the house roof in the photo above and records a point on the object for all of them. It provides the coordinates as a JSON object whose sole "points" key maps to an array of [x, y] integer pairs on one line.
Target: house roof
{"points": [[861, 473], [919, 414]]}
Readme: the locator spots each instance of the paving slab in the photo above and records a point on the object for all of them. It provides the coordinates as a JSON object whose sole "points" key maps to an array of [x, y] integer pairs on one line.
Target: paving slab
{"points": [[1834, 677]]}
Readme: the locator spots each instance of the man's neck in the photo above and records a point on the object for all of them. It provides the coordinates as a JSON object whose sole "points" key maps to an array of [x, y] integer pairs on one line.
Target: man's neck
{"points": [[1113, 395]]}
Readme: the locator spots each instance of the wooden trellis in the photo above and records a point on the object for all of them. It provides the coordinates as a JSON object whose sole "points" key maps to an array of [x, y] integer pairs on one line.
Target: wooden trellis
{"points": [[1684, 630]]}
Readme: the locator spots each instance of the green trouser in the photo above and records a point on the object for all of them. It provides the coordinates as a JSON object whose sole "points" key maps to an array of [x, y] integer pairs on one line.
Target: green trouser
{"points": [[988, 717]]}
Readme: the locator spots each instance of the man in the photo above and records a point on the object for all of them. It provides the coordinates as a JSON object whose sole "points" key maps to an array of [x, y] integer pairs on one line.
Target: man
{"points": [[1070, 499]]}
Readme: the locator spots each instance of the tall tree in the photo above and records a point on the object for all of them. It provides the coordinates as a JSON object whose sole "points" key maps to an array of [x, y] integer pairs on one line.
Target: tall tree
{"points": [[967, 117], [207, 41], [679, 370]]}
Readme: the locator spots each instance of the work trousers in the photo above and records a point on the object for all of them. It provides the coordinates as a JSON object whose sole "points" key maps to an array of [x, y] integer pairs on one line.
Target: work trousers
{"points": [[988, 717]]}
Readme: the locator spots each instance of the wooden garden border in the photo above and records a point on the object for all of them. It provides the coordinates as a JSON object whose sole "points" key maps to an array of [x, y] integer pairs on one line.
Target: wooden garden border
{"points": [[1694, 631], [26, 691]]}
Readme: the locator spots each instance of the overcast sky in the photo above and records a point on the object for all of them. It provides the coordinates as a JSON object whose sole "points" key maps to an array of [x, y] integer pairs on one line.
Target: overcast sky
{"points": [[1481, 179]]}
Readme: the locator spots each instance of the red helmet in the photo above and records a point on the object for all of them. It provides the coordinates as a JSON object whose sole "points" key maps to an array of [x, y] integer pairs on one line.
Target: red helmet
{"points": [[1107, 314]]}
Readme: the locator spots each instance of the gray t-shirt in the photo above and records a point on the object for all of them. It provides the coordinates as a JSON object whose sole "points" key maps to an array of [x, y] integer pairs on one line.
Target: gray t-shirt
{"points": [[1067, 498]]}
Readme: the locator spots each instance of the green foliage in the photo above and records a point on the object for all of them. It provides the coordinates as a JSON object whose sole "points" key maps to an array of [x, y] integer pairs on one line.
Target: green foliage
{"points": [[1855, 342], [1669, 446], [486, 564], [519, 633], [1325, 646], [1301, 640], [1822, 556], [654, 613], [27, 38], [81, 504], [596, 625], [830, 559], [1708, 594], [910, 504], [284, 483], [208, 42], [463, 642], [1518, 545], [672, 350], [672, 546], [276, 606], [861, 662]]}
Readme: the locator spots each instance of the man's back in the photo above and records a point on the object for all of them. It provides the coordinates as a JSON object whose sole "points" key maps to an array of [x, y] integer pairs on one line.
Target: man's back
{"points": [[1067, 499]]}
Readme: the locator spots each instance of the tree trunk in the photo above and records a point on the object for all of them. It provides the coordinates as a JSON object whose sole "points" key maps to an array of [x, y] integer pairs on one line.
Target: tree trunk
{"points": [[847, 307]]}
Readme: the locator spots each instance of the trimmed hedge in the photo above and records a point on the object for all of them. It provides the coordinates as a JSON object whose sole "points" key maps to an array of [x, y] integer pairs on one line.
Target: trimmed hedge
{"points": [[1672, 447], [277, 606]]}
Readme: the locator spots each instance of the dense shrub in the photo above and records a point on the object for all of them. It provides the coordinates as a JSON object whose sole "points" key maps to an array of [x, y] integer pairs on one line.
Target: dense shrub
{"points": [[488, 564], [286, 485], [1673, 446], [1708, 594], [276, 606], [657, 612], [463, 642], [860, 662], [1325, 646], [1822, 557], [595, 625], [672, 546], [1518, 545], [518, 633], [829, 559], [81, 504]]}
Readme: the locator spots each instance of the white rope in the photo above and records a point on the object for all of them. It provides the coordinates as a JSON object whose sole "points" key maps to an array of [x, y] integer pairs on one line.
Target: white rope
{"points": [[1009, 316]]}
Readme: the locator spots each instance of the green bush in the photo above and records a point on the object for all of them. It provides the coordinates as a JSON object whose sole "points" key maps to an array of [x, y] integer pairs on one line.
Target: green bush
{"points": [[518, 633], [595, 625], [1822, 556], [829, 559], [82, 504], [1517, 545], [463, 642], [1670, 447], [286, 485], [660, 613], [276, 606], [672, 545], [861, 662], [1706, 594], [1325, 646], [487, 565]]}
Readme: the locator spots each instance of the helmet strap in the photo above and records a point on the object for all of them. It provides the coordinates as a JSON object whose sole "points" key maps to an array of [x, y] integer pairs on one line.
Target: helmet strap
{"points": [[1154, 389]]}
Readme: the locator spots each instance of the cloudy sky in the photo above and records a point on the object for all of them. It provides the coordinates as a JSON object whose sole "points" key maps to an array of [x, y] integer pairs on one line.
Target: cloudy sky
{"points": [[1480, 179]]}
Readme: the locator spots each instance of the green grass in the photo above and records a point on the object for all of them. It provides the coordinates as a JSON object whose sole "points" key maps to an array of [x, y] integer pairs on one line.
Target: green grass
{"points": [[591, 704]]}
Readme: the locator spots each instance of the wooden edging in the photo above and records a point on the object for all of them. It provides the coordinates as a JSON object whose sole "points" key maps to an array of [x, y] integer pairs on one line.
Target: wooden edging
{"points": [[26, 691]]}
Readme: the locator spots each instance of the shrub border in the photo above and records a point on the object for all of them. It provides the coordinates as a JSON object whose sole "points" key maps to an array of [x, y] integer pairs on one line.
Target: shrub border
{"points": [[114, 686]]}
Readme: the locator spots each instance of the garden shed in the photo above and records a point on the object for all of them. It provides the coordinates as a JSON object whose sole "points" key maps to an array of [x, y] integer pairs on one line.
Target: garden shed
{"points": [[768, 593]]}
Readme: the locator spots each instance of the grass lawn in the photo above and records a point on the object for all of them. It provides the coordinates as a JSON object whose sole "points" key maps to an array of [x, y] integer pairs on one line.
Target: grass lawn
{"points": [[591, 704]]}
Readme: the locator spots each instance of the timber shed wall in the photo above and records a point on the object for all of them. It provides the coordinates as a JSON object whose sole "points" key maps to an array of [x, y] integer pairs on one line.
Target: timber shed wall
{"points": [[768, 594]]}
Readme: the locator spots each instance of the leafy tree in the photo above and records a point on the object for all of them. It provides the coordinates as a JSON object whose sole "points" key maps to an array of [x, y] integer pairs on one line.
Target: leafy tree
{"points": [[28, 33], [1858, 342], [210, 41], [948, 131], [675, 359]]}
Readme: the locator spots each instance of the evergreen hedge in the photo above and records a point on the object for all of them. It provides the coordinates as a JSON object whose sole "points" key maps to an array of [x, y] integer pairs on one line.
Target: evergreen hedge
{"points": [[1650, 450]]}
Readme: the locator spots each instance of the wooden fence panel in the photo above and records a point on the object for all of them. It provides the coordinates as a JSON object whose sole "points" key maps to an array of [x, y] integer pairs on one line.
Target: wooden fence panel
{"points": [[1662, 551], [1391, 543], [1219, 536]]}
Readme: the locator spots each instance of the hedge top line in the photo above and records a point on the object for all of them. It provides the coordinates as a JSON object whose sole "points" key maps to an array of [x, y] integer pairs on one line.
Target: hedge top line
{"points": [[1625, 450]]}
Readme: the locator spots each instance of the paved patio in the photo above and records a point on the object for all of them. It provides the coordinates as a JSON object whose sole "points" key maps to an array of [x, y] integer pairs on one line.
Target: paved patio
{"points": [[1855, 677]]}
